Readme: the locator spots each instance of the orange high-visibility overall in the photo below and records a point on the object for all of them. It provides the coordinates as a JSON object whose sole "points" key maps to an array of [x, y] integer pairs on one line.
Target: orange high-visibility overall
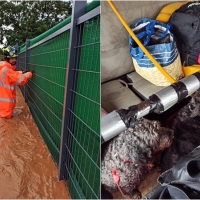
{"points": [[8, 81]]}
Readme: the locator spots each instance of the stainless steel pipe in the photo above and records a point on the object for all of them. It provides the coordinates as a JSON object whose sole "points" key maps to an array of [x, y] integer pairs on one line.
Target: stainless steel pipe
{"points": [[117, 121]]}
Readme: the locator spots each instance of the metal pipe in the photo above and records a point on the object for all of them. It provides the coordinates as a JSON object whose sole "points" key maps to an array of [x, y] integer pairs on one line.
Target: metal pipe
{"points": [[115, 122], [111, 125]]}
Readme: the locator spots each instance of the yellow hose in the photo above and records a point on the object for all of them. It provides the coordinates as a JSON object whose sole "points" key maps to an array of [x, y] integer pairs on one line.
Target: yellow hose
{"points": [[171, 80]]}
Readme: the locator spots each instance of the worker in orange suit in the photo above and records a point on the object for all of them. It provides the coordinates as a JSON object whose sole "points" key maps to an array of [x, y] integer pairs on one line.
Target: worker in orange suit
{"points": [[9, 79]]}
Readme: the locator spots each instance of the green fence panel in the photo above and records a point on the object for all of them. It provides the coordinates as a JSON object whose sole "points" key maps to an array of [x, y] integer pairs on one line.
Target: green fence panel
{"points": [[22, 67], [33, 41], [45, 91], [85, 154]]}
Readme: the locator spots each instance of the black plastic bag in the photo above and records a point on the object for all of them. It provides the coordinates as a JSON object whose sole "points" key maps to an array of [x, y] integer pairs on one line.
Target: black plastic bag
{"points": [[183, 180]]}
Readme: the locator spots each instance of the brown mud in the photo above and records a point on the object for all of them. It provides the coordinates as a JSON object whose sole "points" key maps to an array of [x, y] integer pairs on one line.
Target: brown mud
{"points": [[26, 166]]}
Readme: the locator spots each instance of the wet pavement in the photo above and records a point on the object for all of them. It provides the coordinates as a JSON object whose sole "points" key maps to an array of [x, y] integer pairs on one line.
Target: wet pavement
{"points": [[26, 166]]}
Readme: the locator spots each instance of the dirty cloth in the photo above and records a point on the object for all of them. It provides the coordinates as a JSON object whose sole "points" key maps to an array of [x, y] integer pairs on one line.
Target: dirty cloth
{"points": [[26, 166]]}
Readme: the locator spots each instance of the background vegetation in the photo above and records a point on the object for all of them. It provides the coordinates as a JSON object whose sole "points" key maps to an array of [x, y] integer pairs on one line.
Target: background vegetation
{"points": [[21, 20]]}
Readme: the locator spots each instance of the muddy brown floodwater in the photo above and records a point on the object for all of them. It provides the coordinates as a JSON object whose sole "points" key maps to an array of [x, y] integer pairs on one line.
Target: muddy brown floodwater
{"points": [[26, 166]]}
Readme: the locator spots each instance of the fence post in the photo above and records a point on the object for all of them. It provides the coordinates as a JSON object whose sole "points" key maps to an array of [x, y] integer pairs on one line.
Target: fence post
{"points": [[26, 66], [78, 9], [17, 48]]}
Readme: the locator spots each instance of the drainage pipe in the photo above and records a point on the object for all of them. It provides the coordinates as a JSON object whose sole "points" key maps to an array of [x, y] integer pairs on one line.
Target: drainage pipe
{"points": [[117, 121]]}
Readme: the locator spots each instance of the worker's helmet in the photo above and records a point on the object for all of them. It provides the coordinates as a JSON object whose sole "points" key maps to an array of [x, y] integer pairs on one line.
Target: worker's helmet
{"points": [[9, 52]]}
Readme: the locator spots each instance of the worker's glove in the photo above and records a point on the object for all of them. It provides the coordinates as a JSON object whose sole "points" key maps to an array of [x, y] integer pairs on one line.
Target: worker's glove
{"points": [[23, 72], [32, 71]]}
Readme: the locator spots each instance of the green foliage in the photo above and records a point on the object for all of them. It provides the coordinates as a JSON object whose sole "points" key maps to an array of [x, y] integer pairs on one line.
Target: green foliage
{"points": [[29, 19]]}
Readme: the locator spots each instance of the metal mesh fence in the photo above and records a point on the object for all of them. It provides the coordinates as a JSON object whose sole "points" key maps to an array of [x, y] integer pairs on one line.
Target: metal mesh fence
{"points": [[45, 91], [45, 95], [21, 63], [84, 129]]}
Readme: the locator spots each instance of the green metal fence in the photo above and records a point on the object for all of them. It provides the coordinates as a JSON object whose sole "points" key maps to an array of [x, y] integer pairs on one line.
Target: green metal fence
{"points": [[64, 105], [21, 65], [84, 129], [45, 92]]}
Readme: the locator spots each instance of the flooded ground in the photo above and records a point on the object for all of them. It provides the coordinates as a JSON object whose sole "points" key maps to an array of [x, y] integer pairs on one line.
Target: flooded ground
{"points": [[26, 167]]}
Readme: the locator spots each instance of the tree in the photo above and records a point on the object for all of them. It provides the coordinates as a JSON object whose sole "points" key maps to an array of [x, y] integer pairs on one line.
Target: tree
{"points": [[20, 20]]}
